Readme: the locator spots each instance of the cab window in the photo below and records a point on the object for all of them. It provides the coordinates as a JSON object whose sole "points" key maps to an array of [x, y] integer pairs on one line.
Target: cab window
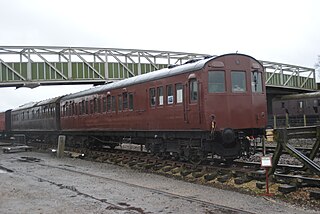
{"points": [[216, 82], [238, 81], [256, 81]]}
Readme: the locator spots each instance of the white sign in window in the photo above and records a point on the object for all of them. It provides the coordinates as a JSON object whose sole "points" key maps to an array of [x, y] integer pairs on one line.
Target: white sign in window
{"points": [[179, 96], [170, 99]]}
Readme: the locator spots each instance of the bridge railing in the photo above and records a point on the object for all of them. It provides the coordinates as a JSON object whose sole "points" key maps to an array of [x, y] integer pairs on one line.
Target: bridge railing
{"points": [[20, 66], [292, 76]]}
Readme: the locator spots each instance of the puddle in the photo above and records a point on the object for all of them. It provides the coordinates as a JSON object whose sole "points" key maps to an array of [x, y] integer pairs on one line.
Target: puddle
{"points": [[29, 159], [4, 170]]}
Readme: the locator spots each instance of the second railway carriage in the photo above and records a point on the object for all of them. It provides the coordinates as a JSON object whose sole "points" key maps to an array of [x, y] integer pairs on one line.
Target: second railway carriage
{"points": [[204, 106], [37, 120]]}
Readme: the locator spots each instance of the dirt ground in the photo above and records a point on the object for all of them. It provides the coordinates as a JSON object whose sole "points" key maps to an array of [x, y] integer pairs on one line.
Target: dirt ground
{"points": [[33, 182]]}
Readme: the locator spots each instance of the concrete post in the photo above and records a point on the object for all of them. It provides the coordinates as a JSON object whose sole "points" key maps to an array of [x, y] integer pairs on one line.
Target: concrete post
{"points": [[61, 145]]}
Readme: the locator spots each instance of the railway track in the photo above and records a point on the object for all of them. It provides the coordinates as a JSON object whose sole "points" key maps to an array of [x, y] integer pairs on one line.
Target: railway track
{"points": [[213, 207], [271, 149], [241, 171]]}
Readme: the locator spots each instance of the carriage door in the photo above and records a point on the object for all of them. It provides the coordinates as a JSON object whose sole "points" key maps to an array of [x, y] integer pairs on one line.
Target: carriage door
{"points": [[192, 106]]}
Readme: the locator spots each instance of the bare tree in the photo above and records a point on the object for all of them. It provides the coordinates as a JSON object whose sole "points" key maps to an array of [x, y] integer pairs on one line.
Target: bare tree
{"points": [[317, 65]]}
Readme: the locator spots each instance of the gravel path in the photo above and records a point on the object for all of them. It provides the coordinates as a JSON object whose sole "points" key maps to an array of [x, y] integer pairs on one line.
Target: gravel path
{"points": [[78, 186]]}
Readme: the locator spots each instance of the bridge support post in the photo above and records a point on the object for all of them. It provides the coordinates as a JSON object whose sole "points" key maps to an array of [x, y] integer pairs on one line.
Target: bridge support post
{"points": [[29, 70]]}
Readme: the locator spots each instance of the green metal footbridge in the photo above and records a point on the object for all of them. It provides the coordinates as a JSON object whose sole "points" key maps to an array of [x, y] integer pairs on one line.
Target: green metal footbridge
{"points": [[27, 66]]}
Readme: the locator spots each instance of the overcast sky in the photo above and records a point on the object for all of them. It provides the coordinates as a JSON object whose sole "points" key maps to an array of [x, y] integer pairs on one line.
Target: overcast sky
{"points": [[285, 31]]}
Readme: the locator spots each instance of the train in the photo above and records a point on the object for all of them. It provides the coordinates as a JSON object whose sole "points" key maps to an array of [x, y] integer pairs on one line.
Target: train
{"points": [[296, 110], [208, 106]]}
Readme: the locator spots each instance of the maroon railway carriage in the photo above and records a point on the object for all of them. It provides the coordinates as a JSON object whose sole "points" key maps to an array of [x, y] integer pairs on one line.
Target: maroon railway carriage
{"points": [[5, 124], [2, 124], [301, 109], [170, 110]]}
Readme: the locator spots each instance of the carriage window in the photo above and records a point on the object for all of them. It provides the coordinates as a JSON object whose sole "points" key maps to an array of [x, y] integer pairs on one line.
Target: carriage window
{"points": [[282, 105], [80, 108], [119, 102], [125, 100], [109, 103], [160, 95], [91, 106], [72, 109], [169, 94], [238, 80], [86, 107], [113, 103], [83, 108], [99, 105], [179, 93], [256, 81], [152, 96], [76, 109], [130, 101], [63, 109], [69, 109], [193, 90], [95, 105], [216, 82], [300, 104], [104, 104]]}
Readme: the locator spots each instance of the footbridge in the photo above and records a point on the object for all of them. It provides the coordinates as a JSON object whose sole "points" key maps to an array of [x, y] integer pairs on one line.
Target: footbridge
{"points": [[27, 66]]}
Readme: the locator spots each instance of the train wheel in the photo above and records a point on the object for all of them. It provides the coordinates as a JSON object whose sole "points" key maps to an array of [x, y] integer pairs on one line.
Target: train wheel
{"points": [[197, 159], [161, 155], [175, 156]]}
